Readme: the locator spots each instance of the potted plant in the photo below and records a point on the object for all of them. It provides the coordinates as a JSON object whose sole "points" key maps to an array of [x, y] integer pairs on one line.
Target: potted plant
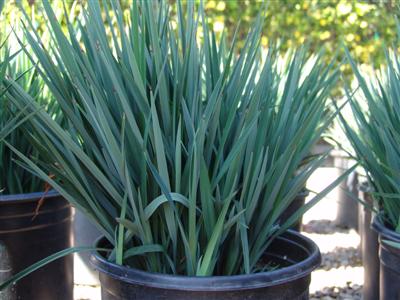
{"points": [[184, 153], [341, 159], [375, 139], [34, 220]]}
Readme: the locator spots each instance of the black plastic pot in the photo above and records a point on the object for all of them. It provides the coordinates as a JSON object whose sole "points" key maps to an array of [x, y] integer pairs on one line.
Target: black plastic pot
{"points": [[369, 246], [297, 255], [297, 203], [347, 213], [389, 260], [25, 239]]}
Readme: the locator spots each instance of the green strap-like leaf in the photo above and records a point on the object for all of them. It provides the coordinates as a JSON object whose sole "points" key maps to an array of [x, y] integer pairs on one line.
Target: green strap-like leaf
{"points": [[44, 262]]}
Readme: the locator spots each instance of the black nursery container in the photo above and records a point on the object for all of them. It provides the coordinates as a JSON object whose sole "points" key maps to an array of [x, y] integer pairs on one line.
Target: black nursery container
{"points": [[347, 213], [26, 239], [369, 245], [389, 261], [297, 255], [297, 203]]}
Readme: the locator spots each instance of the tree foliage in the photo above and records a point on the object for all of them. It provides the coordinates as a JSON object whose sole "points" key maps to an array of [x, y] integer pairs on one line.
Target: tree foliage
{"points": [[362, 25]]}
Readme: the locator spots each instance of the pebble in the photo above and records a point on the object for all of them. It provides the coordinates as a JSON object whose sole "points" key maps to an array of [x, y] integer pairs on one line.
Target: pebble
{"points": [[341, 257], [351, 291], [323, 227]]}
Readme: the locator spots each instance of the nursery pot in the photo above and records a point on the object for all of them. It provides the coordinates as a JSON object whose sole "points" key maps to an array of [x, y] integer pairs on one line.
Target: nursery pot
{"points": [[369, 246], [297, 256], [347, 213], [26, 238], [389, 260], [297, 203]]}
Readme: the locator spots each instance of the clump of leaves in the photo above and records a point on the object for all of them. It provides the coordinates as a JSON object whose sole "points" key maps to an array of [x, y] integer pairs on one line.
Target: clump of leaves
{"points": [[376, 135], [15, 179], [182, 152]]}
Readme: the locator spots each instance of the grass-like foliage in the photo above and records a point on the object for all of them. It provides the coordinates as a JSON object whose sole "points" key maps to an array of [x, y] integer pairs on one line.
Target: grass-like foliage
{"points": [[183, 152], [15, 65], [376, 135]]}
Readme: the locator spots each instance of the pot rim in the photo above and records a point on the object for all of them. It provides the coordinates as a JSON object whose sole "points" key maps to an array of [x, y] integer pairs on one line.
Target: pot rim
{"points": [[217, 283], [384, 232], [28, 197]]}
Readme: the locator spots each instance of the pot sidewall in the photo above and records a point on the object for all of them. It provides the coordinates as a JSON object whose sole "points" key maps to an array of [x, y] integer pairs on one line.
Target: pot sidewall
{"points": [[182, 287]]}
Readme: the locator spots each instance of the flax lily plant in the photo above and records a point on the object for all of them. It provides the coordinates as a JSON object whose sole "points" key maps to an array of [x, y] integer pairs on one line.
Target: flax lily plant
{"points": [[184, 153], [14, 179], [376, 135]]}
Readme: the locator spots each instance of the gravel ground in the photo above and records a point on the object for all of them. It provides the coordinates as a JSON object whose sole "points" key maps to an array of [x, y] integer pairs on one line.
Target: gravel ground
{"points": [[348, 292], [341, 257], [341, 273], [323, 227]]}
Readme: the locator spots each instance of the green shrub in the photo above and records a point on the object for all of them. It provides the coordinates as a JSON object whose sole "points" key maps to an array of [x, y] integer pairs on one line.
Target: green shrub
{"points": [[376, 134], [15, 179], [183, 152], [363, 25]]}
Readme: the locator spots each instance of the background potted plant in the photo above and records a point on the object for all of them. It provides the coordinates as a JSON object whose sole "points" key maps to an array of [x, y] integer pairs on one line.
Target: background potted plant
{"points": [[341, 159], [34, 220], [347, 214], [184, 153], [375, 140]]}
